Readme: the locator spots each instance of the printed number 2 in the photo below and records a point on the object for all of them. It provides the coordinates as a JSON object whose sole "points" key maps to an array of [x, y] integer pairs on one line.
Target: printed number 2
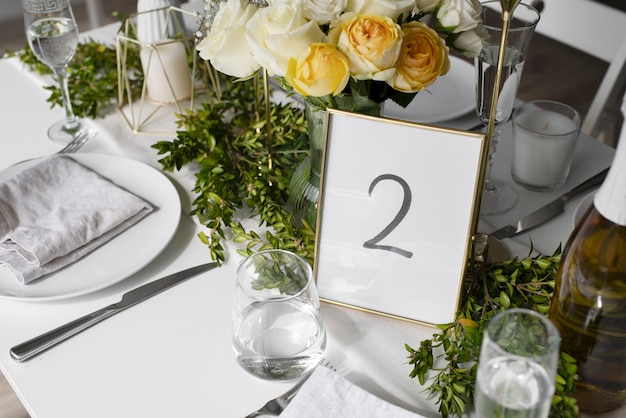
{"points": [[406, 203]]}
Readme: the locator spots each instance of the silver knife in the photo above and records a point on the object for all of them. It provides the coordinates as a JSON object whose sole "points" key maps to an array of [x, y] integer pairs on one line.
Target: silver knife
{"points": [[37, 345], [549, 211]]}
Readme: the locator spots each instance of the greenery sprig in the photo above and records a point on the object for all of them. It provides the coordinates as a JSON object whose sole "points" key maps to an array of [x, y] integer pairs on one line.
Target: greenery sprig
{"points": [[448, 361], [227, 139]]}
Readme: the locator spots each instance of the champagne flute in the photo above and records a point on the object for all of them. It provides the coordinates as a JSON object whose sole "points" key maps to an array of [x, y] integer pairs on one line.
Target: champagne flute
{"points": [[517, 367], [498, 196], [52, 34]]}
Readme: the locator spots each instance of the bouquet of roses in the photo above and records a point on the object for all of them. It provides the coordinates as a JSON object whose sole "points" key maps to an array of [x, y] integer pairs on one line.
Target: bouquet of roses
{"points": [[347, 54]]}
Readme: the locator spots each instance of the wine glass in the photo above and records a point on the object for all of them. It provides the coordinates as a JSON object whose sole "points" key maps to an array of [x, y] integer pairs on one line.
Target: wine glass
{"points": [[52, 34], [517, 366], [498, 196]]}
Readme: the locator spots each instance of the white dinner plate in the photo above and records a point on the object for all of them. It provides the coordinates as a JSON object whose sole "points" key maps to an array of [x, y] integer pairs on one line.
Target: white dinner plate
{"points": [[123, 255], [449, 97], [583, 206]]}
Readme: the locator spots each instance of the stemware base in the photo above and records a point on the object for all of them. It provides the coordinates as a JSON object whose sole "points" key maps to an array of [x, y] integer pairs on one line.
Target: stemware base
{"points": [[498, 197], [63, 132]]}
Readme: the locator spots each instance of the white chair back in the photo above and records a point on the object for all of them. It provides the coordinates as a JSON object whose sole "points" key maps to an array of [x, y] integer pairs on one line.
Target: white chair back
{"points": [[600, 31], [587, 25]]}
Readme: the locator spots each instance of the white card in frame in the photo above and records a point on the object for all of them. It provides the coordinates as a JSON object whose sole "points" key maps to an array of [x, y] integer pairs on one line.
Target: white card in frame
{"points": [[397, 212]]}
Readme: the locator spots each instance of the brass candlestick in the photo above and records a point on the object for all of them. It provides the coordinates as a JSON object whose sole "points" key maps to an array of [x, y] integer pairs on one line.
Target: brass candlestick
{"points": [[268, 119]]}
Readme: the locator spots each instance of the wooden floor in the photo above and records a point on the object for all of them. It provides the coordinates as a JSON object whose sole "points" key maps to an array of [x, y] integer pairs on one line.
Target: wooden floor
{"points": [[552, 71]]}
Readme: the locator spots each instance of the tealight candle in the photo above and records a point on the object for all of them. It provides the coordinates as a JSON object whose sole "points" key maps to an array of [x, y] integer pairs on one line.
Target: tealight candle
{"points": [[544, 135], [166, 71]]}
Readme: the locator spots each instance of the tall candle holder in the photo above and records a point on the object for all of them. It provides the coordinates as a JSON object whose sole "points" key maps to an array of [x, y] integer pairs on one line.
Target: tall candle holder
{"points": [[169, 66]]}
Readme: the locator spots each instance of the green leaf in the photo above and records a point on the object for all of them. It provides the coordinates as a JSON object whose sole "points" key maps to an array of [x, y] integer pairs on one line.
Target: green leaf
{"points": [[489, 289]]}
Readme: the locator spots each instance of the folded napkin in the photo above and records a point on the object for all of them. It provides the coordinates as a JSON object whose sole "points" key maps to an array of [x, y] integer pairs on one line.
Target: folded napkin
{"points": [[326, 394], [58, 210]]}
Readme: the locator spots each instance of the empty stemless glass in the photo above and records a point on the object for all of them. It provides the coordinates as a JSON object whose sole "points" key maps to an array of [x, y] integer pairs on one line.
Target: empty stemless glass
{"points": [[517, 367], [53, 37], [278, 332]]}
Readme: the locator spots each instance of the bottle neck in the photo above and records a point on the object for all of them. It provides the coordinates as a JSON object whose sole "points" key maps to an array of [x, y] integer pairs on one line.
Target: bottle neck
{"points": [[610, 200]]}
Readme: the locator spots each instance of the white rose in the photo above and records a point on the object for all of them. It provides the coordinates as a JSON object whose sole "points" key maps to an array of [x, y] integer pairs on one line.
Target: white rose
{"points": [[471, 42], [323, 11], [279, 32], [226, 45], [389, 8], [459, 15], [425, 6]]}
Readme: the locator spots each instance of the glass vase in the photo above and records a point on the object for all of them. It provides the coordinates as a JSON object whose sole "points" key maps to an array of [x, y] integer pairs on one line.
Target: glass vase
{"points": [[304, 188], [305, 182]]}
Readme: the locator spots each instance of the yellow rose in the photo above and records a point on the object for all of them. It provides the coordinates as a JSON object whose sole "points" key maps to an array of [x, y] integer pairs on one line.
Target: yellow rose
{"points": [[371, 43], [423, 58], [319, 71]]}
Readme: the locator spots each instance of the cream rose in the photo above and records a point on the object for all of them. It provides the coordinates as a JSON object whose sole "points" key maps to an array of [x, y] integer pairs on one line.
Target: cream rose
{"points": [[279, 32], [471, 42], [459, 15], [226, 45], [371, 43], [389, 8], [425, 6], [423, 58], [319, 71], [323, 11]]}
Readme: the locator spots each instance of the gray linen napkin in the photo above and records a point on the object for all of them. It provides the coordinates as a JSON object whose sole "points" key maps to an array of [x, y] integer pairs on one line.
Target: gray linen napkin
{"points": [[57, 211], [326, 394]]}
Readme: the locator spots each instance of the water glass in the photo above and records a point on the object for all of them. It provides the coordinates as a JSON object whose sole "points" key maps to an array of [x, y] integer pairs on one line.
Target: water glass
{"points": [[544, 136], [278, 332], [498, 196], [517, 367]]}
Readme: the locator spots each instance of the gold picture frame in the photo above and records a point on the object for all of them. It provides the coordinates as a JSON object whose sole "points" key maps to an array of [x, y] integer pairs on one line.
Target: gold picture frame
{"points": [[398, 207]]}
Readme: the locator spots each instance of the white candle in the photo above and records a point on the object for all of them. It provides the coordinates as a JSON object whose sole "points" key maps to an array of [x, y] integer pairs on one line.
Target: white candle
{"points": [[151, 17], [543, 146], [166, 72]]}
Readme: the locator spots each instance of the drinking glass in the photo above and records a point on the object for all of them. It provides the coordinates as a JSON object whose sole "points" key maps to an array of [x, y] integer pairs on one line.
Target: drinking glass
{"points": [[278, 332], [53, 36], [517, 367], [498, 196]]}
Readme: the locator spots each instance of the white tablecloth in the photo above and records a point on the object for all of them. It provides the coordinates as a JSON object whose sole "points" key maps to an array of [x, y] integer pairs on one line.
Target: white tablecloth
{"points": [[171, 356]]}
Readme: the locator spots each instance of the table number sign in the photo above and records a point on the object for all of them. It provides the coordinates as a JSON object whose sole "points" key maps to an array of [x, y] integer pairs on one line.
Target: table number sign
{"points": [[398, 208]]}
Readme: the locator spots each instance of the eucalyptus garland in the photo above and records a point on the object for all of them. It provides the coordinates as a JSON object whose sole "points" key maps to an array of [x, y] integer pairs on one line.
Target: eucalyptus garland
{"points": [[238, 168]]}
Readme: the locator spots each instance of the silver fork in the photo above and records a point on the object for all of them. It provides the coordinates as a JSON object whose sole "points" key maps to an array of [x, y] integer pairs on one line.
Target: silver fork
{"points": [[277, 405], [73, 146], [76, 143]]}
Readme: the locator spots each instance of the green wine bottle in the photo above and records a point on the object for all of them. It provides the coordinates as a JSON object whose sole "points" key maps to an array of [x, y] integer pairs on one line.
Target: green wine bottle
{"points": [[589, 303]]}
